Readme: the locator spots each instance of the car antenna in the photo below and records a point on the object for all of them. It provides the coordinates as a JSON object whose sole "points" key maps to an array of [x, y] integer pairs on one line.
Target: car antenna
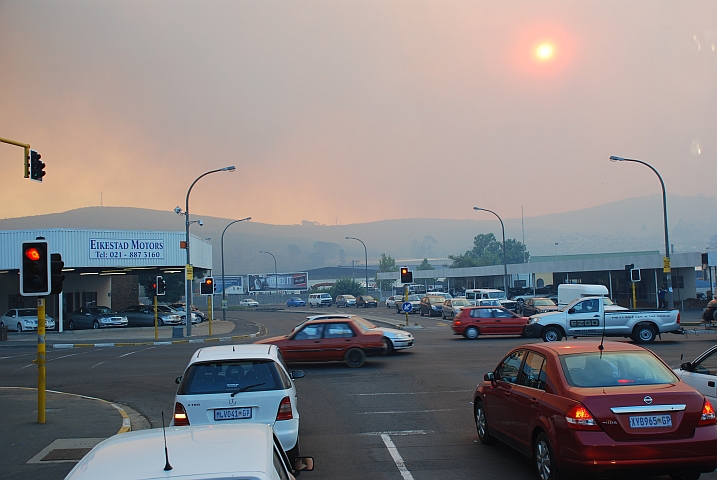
{"points": [[601, 347], [167, 466]]}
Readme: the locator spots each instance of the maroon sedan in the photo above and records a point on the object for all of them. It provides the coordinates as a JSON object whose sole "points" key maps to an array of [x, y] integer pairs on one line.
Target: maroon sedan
{"points": [[474, 321], [329, 339], [574, 409]]}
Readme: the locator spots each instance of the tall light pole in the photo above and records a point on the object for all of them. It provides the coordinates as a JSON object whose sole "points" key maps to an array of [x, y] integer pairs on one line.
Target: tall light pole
{"points": [[276, 275], [667, 266], [188, 286], [366, 255], [224, 284], [505, 258]]}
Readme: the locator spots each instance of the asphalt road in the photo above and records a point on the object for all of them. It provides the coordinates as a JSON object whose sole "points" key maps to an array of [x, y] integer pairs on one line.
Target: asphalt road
{"points": [[404, 416]]}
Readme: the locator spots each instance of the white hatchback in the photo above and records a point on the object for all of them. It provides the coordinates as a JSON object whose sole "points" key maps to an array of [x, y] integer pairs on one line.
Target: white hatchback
{"points": [[240, 384]]}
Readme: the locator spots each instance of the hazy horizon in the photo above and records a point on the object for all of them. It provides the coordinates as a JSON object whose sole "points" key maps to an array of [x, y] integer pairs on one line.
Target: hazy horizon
{"points": [[353, 112]]}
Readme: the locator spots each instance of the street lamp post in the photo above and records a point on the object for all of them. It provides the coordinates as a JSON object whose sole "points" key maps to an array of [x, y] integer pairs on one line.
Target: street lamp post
{"points": [[276, 275], [366, 255], [188, 286], [224, 284], [505, 258], [668, 267]]}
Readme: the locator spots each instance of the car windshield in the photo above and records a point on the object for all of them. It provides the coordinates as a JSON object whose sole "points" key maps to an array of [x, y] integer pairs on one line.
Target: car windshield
{"points": [[349, 297], [230, 376], [294, 299], [543, 303], [368, 299], [497, 295], [96, 310], [27, 312], [460, 302], [363, 323], [615, 369], [414, 298]]}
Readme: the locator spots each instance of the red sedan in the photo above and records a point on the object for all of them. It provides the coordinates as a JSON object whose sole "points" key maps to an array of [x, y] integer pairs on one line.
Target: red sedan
{"points": [[574, 409], [474, 321], [329, 339]]}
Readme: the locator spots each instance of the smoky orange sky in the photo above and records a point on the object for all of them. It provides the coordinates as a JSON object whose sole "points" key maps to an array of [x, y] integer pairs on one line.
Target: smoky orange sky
{"points": [[354, 111]]}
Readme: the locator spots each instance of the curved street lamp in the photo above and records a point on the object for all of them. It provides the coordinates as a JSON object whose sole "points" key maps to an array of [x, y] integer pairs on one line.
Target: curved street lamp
{"points": [[224, 284], [276, 275], [188, 285], [505, 258], [366, 255], [668, 274]]}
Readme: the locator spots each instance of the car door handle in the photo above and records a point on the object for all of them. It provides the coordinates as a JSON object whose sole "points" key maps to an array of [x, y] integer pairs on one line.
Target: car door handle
{"points": [[596, 316], [710, 383], [534, 401]]}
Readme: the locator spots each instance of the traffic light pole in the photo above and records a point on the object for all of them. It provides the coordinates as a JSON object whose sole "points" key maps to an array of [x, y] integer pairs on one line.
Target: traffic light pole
{"points": [[211, 311], [156, 323], [26, 146], [41, 373]]}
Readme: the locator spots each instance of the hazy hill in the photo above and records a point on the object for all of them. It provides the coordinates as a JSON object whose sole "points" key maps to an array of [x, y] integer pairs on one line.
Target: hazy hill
{"points": [[628, 225]]}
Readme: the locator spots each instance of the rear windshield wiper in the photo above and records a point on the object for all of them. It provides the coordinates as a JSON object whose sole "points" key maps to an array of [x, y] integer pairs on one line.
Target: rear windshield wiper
{"points": [[242, 389]]}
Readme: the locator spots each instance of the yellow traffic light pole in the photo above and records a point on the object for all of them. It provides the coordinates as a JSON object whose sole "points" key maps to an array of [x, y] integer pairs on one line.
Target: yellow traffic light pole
{"points": [[156, 327], [26, 146], [41, 373], [209, 301]]}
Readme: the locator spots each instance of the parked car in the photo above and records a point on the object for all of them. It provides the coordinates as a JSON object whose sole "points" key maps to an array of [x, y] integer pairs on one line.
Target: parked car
{"points": [[329, 339], [452, 307], [95, 317], [531, 306], [431, 305], [366, 301], [701, 374], [143, 316], [248, 302], [474, 321], [320, 300], [197, 315], [575, 409], [391, 301], [240, 383], [345, 301], [203, 452], [295, 302], [414, 300], [24, 319]]}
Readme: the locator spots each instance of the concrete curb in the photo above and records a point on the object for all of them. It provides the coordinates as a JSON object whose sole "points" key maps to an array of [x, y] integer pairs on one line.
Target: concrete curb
{"points": [[171, 342]]}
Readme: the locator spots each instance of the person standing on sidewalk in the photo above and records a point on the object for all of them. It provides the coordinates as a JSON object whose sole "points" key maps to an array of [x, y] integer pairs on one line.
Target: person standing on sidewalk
{"points": [[661, 294]]}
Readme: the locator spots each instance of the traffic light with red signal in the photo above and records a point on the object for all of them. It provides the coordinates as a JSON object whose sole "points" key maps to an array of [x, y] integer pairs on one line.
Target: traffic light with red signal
{"points": [[207, 286], [406, 275], [35, 271]]}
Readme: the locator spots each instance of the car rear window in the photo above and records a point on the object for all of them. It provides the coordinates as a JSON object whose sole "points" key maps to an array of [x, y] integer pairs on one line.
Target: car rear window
{"points": [[230, 376], [615, 369]]}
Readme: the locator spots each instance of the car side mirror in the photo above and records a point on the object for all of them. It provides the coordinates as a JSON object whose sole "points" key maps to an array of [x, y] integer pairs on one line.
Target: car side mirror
{"points": [[304, 464], [178, 380], [572, 310], [687, 366], [294, 374], [489, 377]]}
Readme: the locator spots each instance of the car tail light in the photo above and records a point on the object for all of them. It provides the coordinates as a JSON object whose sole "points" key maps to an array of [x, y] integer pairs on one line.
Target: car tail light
{"points": [[580, 418], [708, 414], [456, 322], [284, 412], [678, 318], [180, 415]]}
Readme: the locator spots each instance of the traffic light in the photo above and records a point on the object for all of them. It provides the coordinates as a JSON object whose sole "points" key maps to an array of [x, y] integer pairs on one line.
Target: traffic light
{"points": [[160, 286], [207, 286], [406, 275], [635, 275], [35, 269], [56, 275], [37, 168], [628, 271]]}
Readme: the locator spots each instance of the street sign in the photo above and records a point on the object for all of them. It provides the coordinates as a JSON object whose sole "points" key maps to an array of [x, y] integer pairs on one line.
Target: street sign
{"points": [[666, 265], [190, 272], [406, 307]]}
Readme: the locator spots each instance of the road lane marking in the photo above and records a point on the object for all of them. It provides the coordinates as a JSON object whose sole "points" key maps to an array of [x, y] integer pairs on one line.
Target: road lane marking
{"points": [[96, 365], [397, 459], [411, 393], [399, 433], [393, 412], [136, 351], [14, 356]]}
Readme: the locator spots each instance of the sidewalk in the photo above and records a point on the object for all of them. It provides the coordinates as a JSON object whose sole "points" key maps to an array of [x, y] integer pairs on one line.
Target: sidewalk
{"points": [[50, 450]]}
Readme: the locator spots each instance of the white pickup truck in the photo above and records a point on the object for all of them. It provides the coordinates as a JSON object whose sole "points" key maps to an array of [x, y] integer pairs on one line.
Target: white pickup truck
{"points": [[587, 317]]}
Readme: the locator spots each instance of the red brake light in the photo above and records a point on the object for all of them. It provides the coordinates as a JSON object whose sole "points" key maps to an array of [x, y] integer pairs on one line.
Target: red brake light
{"points": [[580, 418], [708, 414], [678, 318], [180, 415], [284, 412], [32, 253]]}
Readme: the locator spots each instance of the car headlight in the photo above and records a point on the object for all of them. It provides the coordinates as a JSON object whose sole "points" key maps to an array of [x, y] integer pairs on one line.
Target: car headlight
{"points": [[532, 320], [28, 322], [402, 336]]}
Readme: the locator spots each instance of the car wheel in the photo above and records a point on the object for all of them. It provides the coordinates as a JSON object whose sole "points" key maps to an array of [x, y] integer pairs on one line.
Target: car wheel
{"points": [[543, 456], [471, 333], [552, 334], [644, 334], [422, 314], [387, 346], [160, 322], [482, 425], [96, 325], [354, 357], [71, 325], [443, 315], [19, 326]]}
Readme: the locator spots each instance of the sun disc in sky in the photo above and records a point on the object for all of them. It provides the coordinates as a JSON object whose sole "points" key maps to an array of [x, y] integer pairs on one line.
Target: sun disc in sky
{"points": [[544, 51]]}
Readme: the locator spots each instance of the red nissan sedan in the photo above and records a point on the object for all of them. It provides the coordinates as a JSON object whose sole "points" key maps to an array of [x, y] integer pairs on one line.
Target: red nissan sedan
{"points": [[474, 321], [576, 410], [329, 338]]}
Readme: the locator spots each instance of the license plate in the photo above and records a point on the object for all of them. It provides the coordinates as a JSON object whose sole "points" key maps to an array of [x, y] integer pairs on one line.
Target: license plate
{"points": [[232, 413], [650, 421]]}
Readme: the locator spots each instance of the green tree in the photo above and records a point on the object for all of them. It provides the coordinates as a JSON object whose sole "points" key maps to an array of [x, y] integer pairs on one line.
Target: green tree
{"points": [[386, 264], [174, 287], [487, 250], [425, 265], [347, 286]]}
